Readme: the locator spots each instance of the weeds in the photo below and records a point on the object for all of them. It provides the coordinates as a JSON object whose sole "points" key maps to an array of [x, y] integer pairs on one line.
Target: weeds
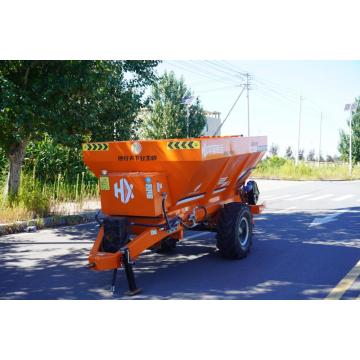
{"points": [[39, 199], [278, 168]]}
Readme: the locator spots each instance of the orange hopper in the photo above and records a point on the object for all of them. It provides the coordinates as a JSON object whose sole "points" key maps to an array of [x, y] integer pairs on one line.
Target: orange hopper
{"points": [[151, 190]]}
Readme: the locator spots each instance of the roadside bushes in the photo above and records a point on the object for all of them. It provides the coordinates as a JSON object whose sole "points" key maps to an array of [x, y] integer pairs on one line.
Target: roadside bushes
{"points": [[275, 167], [272, 162], [52, 174], [47, 159], [36, 202], [32, 199], [278, 167]]}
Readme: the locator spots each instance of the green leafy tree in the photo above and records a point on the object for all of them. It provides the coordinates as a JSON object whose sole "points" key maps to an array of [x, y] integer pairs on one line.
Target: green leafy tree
{"points": [[301, 154], [71, 101], [289, 153], [311, 155], [169, 115], [274, 149], [355, 141]]}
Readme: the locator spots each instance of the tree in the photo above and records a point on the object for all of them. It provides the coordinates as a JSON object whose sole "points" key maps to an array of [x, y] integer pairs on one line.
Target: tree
{"points": [[301, 154], [289, 153], [311, 155], [329, 158], [336, 158], [355, 141], [169, 116], [274, 149], [72, 101]]}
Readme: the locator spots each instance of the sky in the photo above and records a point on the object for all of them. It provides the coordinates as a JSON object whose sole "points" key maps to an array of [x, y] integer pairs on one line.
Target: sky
{"points": [[326, 86]]}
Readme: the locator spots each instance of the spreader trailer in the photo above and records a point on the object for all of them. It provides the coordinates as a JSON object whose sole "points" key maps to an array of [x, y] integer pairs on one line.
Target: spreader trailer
{"points": [[153, 190]]}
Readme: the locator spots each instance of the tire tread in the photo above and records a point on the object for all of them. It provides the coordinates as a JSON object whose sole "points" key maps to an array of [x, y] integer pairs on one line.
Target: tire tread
{"points": [[227, 242]]}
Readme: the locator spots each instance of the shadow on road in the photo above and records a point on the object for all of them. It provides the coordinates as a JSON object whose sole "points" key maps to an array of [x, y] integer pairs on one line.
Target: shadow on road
{"points": [[289, 260]]}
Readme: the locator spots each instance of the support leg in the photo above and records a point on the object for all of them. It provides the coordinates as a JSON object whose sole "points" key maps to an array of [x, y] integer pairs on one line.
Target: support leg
{"points": [[133, 290], [113, 280]]}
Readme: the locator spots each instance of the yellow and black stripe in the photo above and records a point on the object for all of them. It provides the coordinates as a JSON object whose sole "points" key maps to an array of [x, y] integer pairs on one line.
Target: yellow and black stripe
{"points": [[95, 147], [183, 145]]}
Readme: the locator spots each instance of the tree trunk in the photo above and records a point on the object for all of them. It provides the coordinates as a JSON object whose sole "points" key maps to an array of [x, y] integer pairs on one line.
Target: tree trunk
{"points": [[16, 157]]}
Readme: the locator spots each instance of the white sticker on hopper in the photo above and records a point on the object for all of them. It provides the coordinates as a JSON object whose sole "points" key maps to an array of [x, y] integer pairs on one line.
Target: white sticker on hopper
{"points": [[149, 191]]}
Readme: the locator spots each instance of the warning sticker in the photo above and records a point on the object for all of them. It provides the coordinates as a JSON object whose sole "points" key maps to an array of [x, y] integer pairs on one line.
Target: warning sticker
{"points": [[95, 147], [183, 145], [104, 183], [149, 191]]}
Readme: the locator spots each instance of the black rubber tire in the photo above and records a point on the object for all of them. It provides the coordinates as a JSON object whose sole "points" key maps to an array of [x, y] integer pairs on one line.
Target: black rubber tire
{"points": [[253, 192], [166, 245], [234, 237]]}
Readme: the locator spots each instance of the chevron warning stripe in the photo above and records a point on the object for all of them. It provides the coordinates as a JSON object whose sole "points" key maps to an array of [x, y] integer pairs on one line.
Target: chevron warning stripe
{"points": [[183, 145], [95, 147]]}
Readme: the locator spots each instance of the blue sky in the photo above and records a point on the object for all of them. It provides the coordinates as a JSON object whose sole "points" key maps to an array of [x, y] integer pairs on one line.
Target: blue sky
{"points": [[274, 100]]}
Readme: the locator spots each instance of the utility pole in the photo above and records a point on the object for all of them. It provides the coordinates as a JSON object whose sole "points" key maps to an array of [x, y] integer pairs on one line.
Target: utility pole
{"points": [[187, 100], [248, 103], [351, 108], [187, 121], [350, 148], [321, 118], [298, 148]]}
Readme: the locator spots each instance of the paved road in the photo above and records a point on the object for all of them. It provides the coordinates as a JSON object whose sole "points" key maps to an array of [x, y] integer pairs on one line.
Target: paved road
{"points": [[306, 246]]}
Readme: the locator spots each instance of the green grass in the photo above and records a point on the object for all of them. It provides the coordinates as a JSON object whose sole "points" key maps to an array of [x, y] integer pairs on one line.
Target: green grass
{"points": [[37, 199], [279, 168]]}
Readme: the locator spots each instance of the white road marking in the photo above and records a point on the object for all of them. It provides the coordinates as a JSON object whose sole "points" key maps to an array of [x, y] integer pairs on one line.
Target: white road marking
{"points": [[346, 210], [326, 219], [283, 210], [343, 197], [320, 197], [277, 197], [266, 197], [301, 197]]}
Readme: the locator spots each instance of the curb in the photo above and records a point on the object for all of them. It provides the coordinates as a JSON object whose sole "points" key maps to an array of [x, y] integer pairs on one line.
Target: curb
{"points": [[47, 222]]}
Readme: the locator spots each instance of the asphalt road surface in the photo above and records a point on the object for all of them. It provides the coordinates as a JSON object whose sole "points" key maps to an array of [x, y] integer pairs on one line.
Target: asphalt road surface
{"points": [[306, 246]]}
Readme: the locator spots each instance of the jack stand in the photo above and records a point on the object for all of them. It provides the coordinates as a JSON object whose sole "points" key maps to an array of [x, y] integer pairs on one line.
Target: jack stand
{"points": [[113, 280], [133, 290]]}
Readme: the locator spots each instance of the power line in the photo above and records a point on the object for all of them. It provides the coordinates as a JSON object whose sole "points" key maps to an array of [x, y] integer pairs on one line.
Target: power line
{"points": [[210, 71], [230, 87], [191, 71], [189, 68], [223, 70], [273, 95], [278, 93], [289, 94], [230, 66], [232, 107]]}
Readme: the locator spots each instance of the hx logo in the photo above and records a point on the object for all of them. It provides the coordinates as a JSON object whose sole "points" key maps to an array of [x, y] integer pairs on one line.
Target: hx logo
{"points": [[125, 190]]}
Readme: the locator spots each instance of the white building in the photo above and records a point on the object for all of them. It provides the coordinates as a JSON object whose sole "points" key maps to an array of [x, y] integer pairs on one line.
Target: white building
{"points": [[213, 121]]}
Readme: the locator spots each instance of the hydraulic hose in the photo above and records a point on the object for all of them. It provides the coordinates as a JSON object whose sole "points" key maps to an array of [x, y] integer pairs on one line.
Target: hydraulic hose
{"points": [[164, 211]]}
